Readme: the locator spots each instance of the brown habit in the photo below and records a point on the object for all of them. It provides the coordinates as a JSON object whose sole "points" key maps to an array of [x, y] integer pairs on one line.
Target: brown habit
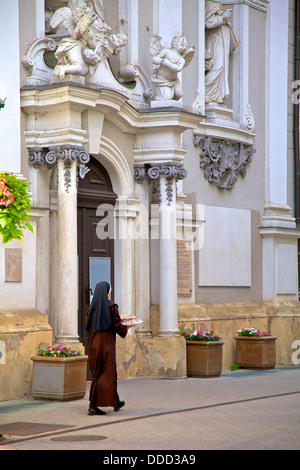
{"points": [[102, 361]]}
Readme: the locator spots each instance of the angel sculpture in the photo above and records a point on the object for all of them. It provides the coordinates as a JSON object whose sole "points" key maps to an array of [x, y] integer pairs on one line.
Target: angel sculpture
{"points": [[169, 62], [91, 40]]}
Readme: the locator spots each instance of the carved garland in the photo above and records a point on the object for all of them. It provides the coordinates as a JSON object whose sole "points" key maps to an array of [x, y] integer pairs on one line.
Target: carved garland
{"points": [[66, 153], [223, 160], [169, 170]]}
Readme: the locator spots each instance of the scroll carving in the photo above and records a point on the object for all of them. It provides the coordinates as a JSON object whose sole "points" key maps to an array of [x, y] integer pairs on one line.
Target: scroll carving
{"points": [[223, 160], [169, 170]]}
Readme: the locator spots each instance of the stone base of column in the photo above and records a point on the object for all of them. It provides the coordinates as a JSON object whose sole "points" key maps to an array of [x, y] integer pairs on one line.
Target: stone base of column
{"points": [[158, 357], [143, 334], [168, 333]]}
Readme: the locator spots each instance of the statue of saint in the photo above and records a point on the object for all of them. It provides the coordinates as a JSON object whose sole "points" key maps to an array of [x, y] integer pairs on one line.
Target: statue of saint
{"points": [[217, 38], [169, 62]]}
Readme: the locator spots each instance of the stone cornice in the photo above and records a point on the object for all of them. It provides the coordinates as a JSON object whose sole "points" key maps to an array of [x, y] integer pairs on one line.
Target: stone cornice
{"points": [[112, 104], [261, 5]]}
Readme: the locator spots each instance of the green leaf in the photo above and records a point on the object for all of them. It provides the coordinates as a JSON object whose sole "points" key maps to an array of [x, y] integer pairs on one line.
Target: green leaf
{"points": [[29, 226]]}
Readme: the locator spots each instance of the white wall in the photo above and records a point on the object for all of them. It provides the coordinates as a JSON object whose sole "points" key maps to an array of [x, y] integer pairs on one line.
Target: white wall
{"points": [[10, 86]]}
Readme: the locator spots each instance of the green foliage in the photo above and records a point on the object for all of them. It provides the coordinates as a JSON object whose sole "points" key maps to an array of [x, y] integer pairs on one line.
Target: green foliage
{"points": [[234, 367], [14, 207]]}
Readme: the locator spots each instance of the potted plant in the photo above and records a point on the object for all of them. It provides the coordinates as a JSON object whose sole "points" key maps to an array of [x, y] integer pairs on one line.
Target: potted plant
{"points": [[255, 349], [59, 373], [203, 353]]}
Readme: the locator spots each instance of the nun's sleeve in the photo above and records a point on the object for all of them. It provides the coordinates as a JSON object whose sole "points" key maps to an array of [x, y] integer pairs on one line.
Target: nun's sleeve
{"points": [[117, 325]]}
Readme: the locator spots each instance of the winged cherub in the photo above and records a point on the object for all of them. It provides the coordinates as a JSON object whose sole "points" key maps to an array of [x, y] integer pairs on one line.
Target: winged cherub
{"points": [[69, 52], [169, 62]]}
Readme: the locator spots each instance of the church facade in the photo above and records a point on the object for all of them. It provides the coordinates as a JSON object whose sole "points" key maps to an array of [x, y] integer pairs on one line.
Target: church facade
{"points": [[158, 140]]}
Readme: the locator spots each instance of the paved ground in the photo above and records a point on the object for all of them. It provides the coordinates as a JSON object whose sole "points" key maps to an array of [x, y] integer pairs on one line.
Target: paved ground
{"points": [[241, 410]]}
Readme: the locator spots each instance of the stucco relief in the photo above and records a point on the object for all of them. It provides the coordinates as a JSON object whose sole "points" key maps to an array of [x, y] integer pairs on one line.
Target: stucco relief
{"points": [[223, 160]]}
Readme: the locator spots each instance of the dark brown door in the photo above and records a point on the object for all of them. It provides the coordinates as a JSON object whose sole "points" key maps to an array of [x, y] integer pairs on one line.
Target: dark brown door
{"points": [[95, 255]]}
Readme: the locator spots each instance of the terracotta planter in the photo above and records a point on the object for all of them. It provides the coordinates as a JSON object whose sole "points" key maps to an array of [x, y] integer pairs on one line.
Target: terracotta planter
{"points": [[59, 378], [204, 358], [256, 352]]}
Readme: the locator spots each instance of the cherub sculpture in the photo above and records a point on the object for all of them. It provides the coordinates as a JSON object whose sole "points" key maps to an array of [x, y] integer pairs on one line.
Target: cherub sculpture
{"points": [[169, 62], [91, 40]]}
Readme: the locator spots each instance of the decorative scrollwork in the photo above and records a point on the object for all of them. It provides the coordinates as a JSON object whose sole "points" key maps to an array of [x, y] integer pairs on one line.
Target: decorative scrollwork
{"points": [[223, 160], [66, 153], [169, 170], [36, 156]]}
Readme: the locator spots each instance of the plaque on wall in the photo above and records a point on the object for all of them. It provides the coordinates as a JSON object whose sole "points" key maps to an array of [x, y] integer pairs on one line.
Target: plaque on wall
{"points": [[184, 268], [13, 265]]}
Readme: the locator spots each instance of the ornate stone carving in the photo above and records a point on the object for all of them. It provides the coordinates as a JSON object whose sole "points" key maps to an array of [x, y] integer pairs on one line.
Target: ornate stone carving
{"points": [[153, 172], [36, 156], [67, 175], [223, 160], [34, 60], [249, 122], [136, 73], [91, 40], [169, 62], [67, 153], [140, 172]]}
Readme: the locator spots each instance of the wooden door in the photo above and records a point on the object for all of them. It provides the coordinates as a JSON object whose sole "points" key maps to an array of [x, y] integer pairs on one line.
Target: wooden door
{"points": [[95, 255]]}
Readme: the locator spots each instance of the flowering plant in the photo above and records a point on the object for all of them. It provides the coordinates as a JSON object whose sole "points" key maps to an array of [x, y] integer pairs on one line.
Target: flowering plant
{"points": [[58, 351], [14, 206], [252, 332], [200, 335]]}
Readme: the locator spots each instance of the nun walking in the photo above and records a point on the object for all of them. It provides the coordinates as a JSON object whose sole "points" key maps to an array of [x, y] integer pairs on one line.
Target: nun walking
{"points": [[102, 325]]}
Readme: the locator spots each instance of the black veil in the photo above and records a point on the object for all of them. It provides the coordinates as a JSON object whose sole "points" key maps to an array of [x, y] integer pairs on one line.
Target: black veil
{"points": [[99, 317]]}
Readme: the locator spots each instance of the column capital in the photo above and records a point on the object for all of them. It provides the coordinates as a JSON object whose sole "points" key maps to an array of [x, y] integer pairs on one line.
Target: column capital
{"points": [[154, 171], [67, 153]]}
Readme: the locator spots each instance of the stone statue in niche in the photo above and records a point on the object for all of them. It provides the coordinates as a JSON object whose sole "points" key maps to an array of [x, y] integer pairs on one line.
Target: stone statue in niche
{"points": [[91, 40], [217, 36], [169, 62]]}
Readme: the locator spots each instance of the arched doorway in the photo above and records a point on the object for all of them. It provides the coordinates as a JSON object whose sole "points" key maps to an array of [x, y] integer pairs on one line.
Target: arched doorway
{"points": [[95, 255]]}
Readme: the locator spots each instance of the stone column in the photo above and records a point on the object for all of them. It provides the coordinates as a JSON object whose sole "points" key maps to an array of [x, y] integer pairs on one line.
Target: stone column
{"points": [[66, 158], [166, 175]]}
